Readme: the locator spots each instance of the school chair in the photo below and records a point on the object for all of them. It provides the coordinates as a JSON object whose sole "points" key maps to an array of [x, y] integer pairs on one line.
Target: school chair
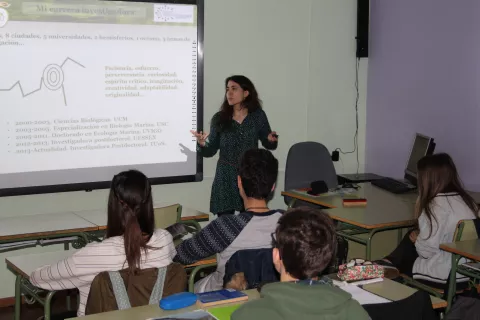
{"points": [[121, 290], [466, 230], [198, 267], [308, 162], [170, 215], [167, 216]]}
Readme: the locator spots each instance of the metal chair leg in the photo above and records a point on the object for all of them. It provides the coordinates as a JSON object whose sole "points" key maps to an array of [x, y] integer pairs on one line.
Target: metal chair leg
{"points": [[18, 297], [47, 308]]}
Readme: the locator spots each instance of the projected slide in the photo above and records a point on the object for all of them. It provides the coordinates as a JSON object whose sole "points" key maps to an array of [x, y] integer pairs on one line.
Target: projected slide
{"points": [[88, 88]]}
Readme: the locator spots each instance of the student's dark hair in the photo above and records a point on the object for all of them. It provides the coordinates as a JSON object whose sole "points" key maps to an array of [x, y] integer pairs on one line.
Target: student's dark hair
{"points": [[306, 241], [438, 174], [258, 172], [130, 214], [252, 102]]}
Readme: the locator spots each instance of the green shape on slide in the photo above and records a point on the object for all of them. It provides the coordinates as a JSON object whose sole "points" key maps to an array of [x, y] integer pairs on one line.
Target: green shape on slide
{"points": [[223, 313]]}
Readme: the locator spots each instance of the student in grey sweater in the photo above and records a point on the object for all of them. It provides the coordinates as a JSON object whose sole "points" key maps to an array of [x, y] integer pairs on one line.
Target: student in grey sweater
{"points": [[248, 230], [441, 204]]}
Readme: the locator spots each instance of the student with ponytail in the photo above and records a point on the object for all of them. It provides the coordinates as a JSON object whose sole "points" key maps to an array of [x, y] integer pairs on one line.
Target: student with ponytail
{"points": [[131, 242]]}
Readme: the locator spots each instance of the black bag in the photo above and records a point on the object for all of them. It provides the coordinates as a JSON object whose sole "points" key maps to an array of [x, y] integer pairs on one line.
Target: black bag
{"points": [[340, 256], [466, 306]]}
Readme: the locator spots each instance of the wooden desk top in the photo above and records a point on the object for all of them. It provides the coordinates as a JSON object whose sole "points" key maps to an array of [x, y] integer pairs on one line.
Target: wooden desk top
{"points": [[322, 200], [383, 208], [389, 289], [468, 248], [12, 228], [203, 262], [26, 264], [395, 291], [151, 311], [192, 214], [99, 217]]}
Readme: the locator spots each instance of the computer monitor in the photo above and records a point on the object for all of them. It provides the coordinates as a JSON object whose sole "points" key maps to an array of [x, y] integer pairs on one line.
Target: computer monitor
{"points": [[422, 146]]}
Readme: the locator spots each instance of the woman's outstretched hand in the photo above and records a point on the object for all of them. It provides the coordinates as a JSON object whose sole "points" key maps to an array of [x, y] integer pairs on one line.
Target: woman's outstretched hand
{"points": [[200, 136], [273, 136]]}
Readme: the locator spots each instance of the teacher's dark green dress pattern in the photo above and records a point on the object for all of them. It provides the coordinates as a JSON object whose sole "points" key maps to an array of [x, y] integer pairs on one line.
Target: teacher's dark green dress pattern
{"points": [[232, 143]]}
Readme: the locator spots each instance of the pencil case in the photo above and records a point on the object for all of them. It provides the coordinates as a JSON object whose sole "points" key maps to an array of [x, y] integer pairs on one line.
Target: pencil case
{"points": [[359, 269]]}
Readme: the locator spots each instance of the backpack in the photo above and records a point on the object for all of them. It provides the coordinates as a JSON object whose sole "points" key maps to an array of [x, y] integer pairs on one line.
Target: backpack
{"points": [[466, 306], [340, 256]]}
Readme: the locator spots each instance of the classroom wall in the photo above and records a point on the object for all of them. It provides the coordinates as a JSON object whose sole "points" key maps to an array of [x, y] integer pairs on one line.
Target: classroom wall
{"points": [[423, 76], [301, 56]]}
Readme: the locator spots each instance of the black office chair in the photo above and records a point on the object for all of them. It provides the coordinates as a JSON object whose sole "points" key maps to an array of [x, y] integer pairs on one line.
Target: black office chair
{"points": [[308, 162]]}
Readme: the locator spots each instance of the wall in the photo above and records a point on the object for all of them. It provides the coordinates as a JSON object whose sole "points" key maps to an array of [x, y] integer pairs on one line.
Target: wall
{"points": [[331, 74], [301, 56], [423, 77]]}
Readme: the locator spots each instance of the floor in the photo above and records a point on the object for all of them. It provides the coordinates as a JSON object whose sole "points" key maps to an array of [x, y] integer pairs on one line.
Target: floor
{"points": [[33, 312]]}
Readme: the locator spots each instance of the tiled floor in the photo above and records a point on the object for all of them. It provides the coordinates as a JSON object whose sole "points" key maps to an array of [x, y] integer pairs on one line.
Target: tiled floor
{"points": [[33, 312]]}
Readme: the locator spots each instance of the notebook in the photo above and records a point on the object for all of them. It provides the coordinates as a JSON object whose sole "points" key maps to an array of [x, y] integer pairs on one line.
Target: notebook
{"points": [[362, 296], [213, 298], [223, 313]]}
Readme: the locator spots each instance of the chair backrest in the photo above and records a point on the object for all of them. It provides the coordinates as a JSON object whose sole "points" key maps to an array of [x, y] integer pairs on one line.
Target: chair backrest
{"points": [[308, 162], [167, 216], [256, 264], [120, 291], [138, 287], [467, 230]]}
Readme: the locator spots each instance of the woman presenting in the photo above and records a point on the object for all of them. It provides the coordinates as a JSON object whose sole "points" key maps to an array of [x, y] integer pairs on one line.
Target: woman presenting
{"points": [[237, 127]]}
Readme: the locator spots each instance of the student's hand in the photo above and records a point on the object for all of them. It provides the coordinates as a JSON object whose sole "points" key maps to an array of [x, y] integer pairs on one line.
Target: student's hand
{"points": [[413, 236], [273, 137], [201, 137]]}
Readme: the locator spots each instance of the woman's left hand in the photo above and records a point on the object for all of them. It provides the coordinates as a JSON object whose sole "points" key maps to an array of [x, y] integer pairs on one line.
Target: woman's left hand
{"points": [[273, 137]]}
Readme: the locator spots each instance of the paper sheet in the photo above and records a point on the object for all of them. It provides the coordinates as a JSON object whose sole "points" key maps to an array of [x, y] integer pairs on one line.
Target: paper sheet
{"points": [[363, 296]]}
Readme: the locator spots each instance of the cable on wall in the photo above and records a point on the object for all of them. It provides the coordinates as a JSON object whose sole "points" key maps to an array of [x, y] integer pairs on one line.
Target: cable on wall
{"points": [[355, 137]]}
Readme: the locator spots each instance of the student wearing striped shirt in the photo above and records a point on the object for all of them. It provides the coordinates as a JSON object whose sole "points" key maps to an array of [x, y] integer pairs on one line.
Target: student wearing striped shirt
{"points": [[131, 242], [251, 229]]}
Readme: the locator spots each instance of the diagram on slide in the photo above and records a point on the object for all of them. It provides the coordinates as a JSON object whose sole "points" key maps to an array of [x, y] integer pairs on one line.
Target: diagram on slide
{"points": [[52, 78]]}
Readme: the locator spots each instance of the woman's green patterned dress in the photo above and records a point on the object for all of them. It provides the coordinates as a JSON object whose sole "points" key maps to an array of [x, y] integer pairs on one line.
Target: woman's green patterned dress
{"points": [[232, 143]]}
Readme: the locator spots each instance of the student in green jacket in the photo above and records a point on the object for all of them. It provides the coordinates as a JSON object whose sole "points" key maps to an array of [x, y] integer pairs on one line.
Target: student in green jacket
{"points": [[304, 244]]}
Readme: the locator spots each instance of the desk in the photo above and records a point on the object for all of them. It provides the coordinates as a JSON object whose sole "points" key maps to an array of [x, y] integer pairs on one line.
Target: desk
{"points": [[192, 214], [395, 291], [207, 261], [388, 289], [384, 211], [469, 249], [43, 226], [22, 231], [151, 311], [99, 217], [22, 267]]}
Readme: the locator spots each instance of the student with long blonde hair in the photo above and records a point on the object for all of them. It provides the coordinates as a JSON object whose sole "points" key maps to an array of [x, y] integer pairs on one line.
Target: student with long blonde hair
{"points": [[442, 202]]}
